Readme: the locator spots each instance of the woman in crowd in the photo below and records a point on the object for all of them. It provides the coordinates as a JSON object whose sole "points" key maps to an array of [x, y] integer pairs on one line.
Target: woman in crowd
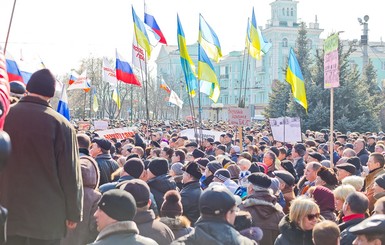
{"points": [[340, 194]]}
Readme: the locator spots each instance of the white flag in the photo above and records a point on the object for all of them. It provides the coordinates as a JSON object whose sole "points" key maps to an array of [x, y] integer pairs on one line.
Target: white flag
{"points": [[109, 74], [174, 99], [137, 55], [81, 83]]}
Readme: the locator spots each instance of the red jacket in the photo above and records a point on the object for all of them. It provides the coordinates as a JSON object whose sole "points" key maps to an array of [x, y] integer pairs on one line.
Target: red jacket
{"points": [[4, 90]]}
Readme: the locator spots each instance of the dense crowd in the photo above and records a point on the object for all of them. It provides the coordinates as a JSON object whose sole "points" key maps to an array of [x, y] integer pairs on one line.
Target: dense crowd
{"points": [[160, 187]]}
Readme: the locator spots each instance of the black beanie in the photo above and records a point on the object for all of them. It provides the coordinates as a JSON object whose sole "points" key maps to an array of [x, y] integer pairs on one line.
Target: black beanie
{"points": [[134, 167], [259, 179], [158, 166], [42, 83], [118, 204]]}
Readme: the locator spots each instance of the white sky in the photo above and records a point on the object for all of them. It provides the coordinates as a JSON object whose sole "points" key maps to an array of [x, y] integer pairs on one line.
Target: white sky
{"points": [[62, 32]]}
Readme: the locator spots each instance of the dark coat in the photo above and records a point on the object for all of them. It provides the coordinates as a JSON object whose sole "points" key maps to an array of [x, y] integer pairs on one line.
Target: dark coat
{"points": [[122, 233], [85, 232], [266, 214], [347, 238], [363, 155], [300, 167], [107, 167], [291, 234], [180, 225], [214, 231], [150, 227], [190, 200], [41, 185], [159, 186]]}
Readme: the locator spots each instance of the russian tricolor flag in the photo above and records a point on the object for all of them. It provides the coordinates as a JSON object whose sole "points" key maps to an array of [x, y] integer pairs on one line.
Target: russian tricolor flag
{"points": [[13, 70], [124, 71], [62, 107], [149, 20]]}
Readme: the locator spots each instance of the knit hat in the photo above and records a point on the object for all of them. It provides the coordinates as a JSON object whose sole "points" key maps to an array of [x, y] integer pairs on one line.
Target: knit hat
{"points": [[324, 198], [213, 166], [286, 176], [380, 181], [158, 166], [249, 137], [222, 174], [259, 179], [347, 167], [300, 149], [118, 204], [43, 83], [216, 200], [192, 169], [356, 162], [172, 205], [102, 143], [138, 189], [134, 167], [221, 147], [198, 153], [177, 168], [327, 175]]}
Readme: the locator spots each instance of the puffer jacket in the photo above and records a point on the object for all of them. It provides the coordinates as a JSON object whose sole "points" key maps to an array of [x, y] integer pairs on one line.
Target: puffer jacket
{"points": [[159, 186], [85, 231], [266, 214], [214, 231], [291, 234]]}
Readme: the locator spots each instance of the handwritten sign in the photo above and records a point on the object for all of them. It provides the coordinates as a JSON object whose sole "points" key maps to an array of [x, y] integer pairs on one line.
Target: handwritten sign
{"points": [[331, 67], [239, 116], [117, 133]]}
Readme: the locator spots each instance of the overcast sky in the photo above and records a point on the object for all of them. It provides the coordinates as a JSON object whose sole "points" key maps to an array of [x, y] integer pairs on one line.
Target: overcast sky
{"points": [[63, 32]]}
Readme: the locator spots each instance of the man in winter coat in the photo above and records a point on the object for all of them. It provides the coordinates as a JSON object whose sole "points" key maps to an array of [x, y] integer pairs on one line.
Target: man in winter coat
{"points": [[41, 185]]}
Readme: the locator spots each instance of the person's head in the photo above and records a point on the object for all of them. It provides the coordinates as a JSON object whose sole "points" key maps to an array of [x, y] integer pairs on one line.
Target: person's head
{"points": [[178, 156], [157, 167], [326, 177], [358, 145], [269, 158], [138, 150], [311, 170], [356, 181], [134, 167], [244, 155], [114, 206], [100, 146], [139, 190], [355, 203], [212, 167], [379, 186], [285, 178], [191, 172], [370, 231], [197, 153], [42, 84], [282, 153], [380, 148], [304, 212], [172, 204], [156, 136], [324, 198], [375, 161], [84, 141], [216, 201], [244, 164], [228, 138], [326, 232], [298, 150], [340, 195], [166, 152], [258, 182], [344, 170], [176, 169], [348, 152], [379, 206]]}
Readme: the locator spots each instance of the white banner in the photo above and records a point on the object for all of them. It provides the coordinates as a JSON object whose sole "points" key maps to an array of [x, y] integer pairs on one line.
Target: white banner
{"points": [[286, 129], [117, 133], [109, 73], [100, 125], [206, 134]]}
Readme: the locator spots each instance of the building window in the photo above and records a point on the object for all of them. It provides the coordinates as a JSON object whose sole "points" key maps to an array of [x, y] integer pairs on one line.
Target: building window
{"points": [[284, 42], [287, 11], [283, 12], [309, 44], [292, 11]]}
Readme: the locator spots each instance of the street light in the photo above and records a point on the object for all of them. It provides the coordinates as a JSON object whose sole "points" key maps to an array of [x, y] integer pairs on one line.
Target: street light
{"points": [[364, 40], [216, 107]]}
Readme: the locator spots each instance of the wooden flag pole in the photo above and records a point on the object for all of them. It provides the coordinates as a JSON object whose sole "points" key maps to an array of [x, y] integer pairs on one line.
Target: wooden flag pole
{"points": [[331, 145], [240, 138]]}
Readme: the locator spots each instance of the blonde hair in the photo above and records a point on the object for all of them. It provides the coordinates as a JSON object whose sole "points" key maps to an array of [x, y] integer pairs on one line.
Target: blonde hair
{"points": [[342, 191], [300, 207], [244, 162], [356, 181]]}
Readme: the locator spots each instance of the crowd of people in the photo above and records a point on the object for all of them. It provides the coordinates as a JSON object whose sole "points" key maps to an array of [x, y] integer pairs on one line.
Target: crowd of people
{"points": [[62, 186]]}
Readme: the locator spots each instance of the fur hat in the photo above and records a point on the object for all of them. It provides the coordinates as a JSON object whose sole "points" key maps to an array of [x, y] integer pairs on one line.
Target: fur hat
{"points": [[327, 175], [43, 83], [260, 180], [192, 168], [134, 167], [172, 205], [158, 166]]}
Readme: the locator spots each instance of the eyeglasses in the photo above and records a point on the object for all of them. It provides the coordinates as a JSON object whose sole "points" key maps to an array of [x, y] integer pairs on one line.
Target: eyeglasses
{"points": [[313, 216]]}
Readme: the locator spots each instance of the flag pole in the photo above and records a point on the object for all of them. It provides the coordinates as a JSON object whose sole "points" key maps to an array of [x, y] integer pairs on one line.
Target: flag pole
{"points": [[85, 100], [331, 146], [9, 26]]}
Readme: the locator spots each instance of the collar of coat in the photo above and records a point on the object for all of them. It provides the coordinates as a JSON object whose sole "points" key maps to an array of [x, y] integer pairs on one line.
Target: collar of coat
{"points": [[249, 202], [118, 227], [36, 100]]}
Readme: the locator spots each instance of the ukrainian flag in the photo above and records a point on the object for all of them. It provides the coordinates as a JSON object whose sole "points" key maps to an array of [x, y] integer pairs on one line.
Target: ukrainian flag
{"points": [[256, 39], [295, 79], [141, 33], [208, 39], [186, 62]]}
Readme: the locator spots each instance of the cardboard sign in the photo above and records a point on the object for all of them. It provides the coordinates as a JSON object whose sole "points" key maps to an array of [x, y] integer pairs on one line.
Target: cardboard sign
{"points": [[117, 133], [239, 116], [286, 129]]}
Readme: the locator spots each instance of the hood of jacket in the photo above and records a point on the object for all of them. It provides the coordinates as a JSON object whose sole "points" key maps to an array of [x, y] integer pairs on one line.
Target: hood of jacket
{"points": [[90, 172], [162, 183], [176, 223]]}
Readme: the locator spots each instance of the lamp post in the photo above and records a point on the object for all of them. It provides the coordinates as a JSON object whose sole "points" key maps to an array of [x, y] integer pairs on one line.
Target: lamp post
{"points": [[216, 107], [364, 40]]}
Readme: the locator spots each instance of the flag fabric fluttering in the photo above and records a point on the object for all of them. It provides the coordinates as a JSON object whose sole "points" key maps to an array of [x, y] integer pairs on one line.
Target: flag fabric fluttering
{"points": [[30, 65], [138, 57], [208, 46], [149, 19], [256, 40], [208, 39], [82, 82], [295, 79], [141, 33], [95, 104], [164, 86], [62, 106], [124, 71], [116, 98], [186, 62], [73, 77], [13, 71], [174, 99], [109, 75]]}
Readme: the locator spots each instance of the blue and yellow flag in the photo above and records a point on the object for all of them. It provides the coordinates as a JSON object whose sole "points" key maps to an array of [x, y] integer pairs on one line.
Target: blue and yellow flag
{"points": [[208, 46], [295, 79], [186, 62], [257, 43], [141, 33]]}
